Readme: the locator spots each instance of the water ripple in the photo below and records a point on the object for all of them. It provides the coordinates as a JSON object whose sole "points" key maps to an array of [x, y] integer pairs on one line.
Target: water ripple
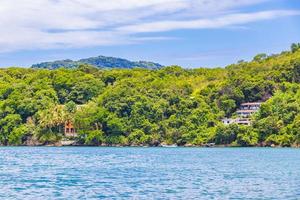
{"points": [[149, 173]]}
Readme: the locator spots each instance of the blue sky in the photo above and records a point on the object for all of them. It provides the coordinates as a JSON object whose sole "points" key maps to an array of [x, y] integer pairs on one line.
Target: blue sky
{"points": [[190, 33]]}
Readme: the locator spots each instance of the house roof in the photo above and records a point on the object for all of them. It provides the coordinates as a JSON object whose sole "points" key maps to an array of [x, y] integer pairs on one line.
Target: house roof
{"points": [[251, 104], [246, 111]]}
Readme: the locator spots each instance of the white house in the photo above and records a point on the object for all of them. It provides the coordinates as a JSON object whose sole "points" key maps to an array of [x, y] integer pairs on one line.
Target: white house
{"points": [[244, 114]]}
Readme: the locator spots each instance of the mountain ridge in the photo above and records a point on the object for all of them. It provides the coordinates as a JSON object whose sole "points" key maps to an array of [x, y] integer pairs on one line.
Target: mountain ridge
{"points": [[101, 62]]}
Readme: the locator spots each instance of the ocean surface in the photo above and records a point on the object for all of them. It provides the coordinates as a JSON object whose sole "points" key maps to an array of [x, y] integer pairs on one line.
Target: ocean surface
{"points": [[149, 173]]}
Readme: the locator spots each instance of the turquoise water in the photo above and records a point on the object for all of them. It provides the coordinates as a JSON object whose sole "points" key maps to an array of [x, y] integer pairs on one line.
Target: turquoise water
{"points": [[149, 173]]}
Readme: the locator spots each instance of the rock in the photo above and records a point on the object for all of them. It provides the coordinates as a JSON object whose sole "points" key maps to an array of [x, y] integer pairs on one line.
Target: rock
{"points": [[67, 142], [189, 145], [31, 141]]}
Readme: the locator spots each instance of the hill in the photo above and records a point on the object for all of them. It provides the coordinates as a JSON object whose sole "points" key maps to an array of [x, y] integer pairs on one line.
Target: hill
{"points": [[170, 105], [100, 62]]}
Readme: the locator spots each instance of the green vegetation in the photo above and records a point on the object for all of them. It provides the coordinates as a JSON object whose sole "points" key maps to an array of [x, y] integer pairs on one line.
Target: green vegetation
{"points": [[100, 62], [151, 107]]}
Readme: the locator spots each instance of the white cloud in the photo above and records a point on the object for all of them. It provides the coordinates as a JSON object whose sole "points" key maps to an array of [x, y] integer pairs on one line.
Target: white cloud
{"points": [[44, 24], [218, 22]]}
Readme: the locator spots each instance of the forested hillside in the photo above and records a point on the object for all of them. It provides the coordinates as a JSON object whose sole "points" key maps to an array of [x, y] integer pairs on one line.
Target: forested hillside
{"points": [[100, 62], [150, 107]]}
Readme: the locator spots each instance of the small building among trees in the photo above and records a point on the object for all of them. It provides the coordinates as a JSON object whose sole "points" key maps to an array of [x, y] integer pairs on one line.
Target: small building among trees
{"points": [[244, 114], [69, 130]]}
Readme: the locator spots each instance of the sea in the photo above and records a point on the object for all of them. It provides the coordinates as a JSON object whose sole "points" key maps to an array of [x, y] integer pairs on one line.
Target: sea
{"points": [[149, 173]]}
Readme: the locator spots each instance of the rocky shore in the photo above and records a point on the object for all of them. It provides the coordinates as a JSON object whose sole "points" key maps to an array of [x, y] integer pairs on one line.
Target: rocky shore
{"points": [[65, 143]]}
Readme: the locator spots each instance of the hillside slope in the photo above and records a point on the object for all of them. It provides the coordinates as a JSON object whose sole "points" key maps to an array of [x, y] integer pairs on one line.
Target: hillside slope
{"points": [[100, 62], [151, 107]]}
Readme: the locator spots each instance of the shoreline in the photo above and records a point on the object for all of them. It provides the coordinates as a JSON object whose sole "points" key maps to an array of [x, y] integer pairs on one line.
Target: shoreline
{"points": [[68, 142], [159, 146]]}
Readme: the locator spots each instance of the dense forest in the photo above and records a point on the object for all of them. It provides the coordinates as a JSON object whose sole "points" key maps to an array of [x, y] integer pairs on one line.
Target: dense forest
{"points": [[100, 62], [138, 106]]}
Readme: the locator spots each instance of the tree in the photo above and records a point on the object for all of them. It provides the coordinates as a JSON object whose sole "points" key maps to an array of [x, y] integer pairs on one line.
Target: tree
{"points": [[226, 134], [18, 134], [94, 137], [247, 137], [8, 125], [260, 57], [71, 107], [138, 137], [295, 47], [296, 70]]}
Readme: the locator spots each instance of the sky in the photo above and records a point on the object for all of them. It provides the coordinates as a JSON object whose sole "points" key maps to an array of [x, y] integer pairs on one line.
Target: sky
{"points": [[189, 33]]}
